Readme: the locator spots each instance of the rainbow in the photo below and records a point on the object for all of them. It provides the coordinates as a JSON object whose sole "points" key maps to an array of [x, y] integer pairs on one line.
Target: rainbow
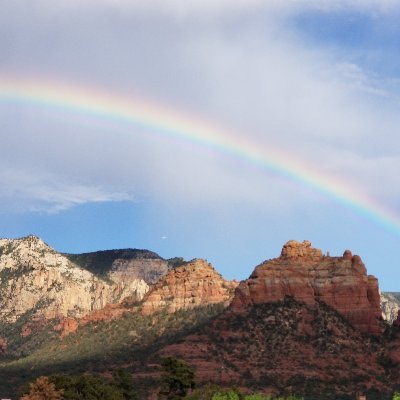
{"points": [[105, 106]]}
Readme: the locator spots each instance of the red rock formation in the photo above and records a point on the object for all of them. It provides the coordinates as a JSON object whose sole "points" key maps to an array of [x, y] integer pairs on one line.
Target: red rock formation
{"points": [[307, 275], [36, 324], [193, 284], [108, 313], [66, 326]]}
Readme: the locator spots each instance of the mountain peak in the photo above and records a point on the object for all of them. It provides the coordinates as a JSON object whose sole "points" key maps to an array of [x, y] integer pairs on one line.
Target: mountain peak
{"points": [[304, 273], [295, 250], [192, 284]]}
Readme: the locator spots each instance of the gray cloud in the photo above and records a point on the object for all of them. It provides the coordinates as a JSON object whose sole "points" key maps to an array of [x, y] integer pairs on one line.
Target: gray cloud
{"points": [[239, 64]]}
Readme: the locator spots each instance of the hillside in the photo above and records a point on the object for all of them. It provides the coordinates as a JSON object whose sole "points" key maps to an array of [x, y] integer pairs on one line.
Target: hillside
{"points": [[303, 322]]}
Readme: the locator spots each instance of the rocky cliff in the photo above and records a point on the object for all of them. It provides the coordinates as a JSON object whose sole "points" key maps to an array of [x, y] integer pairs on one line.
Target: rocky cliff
{"points": [[36, 280], [305, 274], [193, 284], [390, 306], [119, 265], [297, 325]]}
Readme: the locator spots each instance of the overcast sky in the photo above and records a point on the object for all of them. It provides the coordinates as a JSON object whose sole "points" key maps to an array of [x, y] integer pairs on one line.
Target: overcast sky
{"points": [[317, 80]]}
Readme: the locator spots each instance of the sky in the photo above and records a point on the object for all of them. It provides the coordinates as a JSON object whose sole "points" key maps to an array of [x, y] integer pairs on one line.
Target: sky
{"points": [[295, 105]]}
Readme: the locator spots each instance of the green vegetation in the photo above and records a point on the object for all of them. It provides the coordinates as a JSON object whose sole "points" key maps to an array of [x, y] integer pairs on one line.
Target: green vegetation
{"points": [[176, 262], [101, 346], [396, 396], [177, 380], [82, 387], [127, 346], [214, 392], [123, 380]]}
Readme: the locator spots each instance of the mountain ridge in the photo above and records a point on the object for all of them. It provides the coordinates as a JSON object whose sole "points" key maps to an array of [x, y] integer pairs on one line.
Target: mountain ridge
{"points": [[283, 328]]}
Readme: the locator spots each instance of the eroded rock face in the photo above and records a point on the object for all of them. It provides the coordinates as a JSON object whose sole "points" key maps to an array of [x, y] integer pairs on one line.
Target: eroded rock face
{"points": [[307, 275], [390, 306], [35, 278], [193, 284], [122, 264]]}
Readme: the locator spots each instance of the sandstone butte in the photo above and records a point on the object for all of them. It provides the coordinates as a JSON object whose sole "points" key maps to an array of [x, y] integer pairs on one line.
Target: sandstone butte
{"points": [[193, 284], [304, 273]]}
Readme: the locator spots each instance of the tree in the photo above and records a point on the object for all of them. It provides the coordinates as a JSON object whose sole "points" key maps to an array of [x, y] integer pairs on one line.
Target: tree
{"points": [[227, 395], [396, 396], [43, 389], [87, 387], [178, 378], [123, 381], [257, 396], [205, 392]]}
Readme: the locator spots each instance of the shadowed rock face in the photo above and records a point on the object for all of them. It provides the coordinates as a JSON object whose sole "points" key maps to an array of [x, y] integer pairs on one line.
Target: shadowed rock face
{"points": [[194, 284], [306, 274]]}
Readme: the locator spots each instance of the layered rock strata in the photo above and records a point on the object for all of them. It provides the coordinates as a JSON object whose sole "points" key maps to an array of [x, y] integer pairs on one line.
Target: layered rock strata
{"points": [[35, 279], [304, 273], [194, 284]]}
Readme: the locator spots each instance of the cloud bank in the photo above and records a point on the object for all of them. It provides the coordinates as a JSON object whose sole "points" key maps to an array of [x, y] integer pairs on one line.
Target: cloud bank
{"points": [[244, 66]]}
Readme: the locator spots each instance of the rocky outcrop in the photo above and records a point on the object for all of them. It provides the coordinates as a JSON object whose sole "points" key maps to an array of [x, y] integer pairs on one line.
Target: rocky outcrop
{"points": [[35, 279], [119, 265], [305, 274], [66, 326], [194, 284], [390, 306], [108, 313]]}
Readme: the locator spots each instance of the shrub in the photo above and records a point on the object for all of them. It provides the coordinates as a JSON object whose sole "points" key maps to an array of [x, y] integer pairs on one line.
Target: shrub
{"points": [[43, 389]]}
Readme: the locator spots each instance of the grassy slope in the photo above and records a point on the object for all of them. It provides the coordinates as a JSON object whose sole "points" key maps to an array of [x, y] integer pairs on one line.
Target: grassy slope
{"points": [[102, 346]]}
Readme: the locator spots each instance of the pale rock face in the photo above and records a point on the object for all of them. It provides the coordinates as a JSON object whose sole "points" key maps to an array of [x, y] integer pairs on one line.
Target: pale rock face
{"points": [[148, 270], [35, 277], [390, 306], [193, 284]]}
